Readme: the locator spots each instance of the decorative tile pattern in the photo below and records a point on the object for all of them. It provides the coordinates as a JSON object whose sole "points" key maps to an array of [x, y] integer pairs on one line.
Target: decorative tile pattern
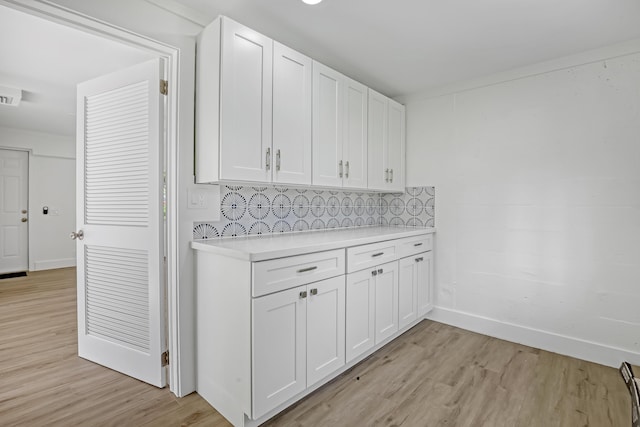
{"points": [[277, 209], [414, 208]]}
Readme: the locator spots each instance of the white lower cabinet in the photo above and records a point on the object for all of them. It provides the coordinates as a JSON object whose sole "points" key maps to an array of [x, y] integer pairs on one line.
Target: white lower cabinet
{"points": [[272, 328], [425, 282], [279, 349], [298, 339], [372, 307], [386, 285], [361, 306], [414, 295], [407, 291], [325, 328]]}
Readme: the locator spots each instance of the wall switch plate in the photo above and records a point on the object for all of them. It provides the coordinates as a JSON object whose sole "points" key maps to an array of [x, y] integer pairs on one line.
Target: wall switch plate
{"points": [[206, 200]]}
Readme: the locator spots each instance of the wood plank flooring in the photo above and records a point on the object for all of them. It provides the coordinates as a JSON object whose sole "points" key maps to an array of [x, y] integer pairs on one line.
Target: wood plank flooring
{"points": [[434, 375]]}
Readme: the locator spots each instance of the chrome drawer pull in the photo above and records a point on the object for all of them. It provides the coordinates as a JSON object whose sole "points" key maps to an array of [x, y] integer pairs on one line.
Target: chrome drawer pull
{"points": [[378, 254], [314, 291], [374, 273], [303, 294], [419, 259], [417, 244], [304, 270]]}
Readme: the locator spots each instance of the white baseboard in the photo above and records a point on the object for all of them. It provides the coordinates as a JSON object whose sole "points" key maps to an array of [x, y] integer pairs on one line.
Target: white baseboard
{"points": [[54, 263], [549, 341]]}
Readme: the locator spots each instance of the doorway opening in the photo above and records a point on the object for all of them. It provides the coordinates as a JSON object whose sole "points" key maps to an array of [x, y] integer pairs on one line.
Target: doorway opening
{"points": [[91, 49]]}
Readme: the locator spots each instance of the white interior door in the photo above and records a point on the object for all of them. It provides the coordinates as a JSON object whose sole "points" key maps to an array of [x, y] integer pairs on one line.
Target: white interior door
{"points": [[119, 175], [14, 190]]}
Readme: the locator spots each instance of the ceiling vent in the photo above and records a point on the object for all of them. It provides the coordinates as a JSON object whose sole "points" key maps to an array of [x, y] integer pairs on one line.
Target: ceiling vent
{"points": [[10, 96]]}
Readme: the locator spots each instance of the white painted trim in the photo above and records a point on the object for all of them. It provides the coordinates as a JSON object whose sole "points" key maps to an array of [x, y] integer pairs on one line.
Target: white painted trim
{"points": [[171, 55], [53, 263], [549, 341], [596, 55]]}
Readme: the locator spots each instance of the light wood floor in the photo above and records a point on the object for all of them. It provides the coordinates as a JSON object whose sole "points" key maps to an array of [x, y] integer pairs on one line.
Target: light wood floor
{"points": [[434, 375]]}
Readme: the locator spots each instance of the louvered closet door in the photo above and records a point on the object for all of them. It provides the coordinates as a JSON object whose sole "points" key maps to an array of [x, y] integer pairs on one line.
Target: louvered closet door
{"points": [[119, 175]]}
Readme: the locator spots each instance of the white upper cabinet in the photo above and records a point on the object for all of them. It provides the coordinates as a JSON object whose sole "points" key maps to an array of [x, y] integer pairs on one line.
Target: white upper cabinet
{"points": [[354, 151], [386, 143], [339, 129], [253, 108], [378, 176], [266, 113], [291, 116], [396, 144], [328, 105], [245, 103]]}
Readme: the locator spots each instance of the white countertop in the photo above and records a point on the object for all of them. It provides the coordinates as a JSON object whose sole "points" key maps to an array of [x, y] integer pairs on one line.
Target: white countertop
{"points": [[270, 246]]}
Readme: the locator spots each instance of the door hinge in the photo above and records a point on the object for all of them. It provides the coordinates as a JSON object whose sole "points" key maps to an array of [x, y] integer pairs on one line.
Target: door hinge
{"points": [[164, 357], [164, 87]]}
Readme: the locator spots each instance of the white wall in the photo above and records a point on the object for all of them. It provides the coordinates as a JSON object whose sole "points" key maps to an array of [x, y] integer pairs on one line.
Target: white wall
{"points": [[40, 144], [538, 192], [51, 183]]}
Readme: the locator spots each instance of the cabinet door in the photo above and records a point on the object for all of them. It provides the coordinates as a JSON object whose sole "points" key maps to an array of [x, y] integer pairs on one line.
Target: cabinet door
{"points": [[245, 103], [325, 328], [407, 291], [354, 151], [291, 116], [328, 165], [279, 348], [377, 141], [425, 283], [386, 312], [360, 326], [395, 146]]}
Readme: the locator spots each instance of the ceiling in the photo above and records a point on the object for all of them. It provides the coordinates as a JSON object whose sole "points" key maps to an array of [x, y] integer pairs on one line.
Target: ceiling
{"points": [[400, 47], [47, 60], [397, 47]]}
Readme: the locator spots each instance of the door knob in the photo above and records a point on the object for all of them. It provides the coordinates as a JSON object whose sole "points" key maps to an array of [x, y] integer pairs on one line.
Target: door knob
{"points": [[24, 219], [77, 235], [24, 211]]}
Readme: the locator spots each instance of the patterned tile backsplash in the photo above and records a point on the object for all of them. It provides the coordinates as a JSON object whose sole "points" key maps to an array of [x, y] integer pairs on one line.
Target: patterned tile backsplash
{"points": [[248, 210]]}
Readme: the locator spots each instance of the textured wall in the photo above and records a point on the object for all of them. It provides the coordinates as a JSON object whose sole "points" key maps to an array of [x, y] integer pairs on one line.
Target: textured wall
{"points": [[275, 209], [539, 201]]}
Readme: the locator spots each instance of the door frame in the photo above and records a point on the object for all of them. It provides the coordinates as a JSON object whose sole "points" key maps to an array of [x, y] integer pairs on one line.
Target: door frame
{"points": [[171, 56]]}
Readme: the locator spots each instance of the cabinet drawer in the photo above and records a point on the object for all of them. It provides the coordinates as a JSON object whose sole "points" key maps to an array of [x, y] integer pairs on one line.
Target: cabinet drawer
{"points": [[365, 256], [414, 245], [284, 273]]}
